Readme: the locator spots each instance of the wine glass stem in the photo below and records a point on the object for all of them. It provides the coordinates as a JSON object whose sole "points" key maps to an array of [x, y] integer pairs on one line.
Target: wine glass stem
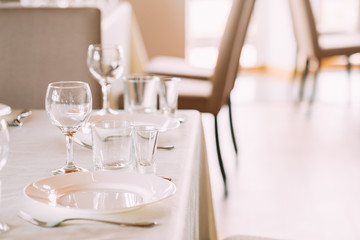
{"points": [[106, 96], [69, 151]]}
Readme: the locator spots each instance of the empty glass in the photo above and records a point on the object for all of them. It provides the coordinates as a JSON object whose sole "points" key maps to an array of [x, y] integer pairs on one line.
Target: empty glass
{"points": [[105, 63], [4, 152], [112, 144], [168, 95], [68, 105], [145, 146], [140, 93]]}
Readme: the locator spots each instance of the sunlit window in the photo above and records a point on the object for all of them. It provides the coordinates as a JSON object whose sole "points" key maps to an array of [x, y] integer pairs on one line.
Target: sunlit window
{"points": [[335, 15], [269, 40], [338, 16], [205, 23]]}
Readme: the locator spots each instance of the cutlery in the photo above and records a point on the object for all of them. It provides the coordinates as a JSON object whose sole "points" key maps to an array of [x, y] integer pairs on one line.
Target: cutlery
{"points": [[25, 216], [17, 121], [166, 178], [181, 120], [166, 147], [88, 146], [81, 143]]}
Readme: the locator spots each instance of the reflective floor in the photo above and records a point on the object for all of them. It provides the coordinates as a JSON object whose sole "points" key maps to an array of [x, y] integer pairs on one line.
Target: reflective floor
{"points": [[297, 173]]}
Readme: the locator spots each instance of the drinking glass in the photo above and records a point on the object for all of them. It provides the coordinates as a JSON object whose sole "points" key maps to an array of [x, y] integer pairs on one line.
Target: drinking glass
{"points": [[68, 105], [105, 63], [112, 144], [140, 93], [4, 152], [145, 146], [168, 95]]}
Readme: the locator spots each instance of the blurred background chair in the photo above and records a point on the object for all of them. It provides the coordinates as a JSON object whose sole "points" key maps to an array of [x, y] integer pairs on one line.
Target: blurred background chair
{"points": [[315, 46], [209, 90], [43, 45]]}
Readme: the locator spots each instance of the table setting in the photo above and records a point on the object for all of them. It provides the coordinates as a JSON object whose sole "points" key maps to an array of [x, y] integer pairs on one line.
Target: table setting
{"points": [[139, 172]]}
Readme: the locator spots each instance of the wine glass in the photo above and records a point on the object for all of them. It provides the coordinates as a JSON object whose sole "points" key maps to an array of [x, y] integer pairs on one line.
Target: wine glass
{"points": [[68, 105], [4, 152], [105, 63]]}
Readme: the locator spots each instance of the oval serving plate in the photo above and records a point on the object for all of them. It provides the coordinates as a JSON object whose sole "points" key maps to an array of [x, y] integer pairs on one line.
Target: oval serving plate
{"points": [[100, 191]]}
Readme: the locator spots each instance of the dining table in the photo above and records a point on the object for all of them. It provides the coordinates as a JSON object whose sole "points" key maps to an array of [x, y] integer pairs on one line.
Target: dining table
{"points": [[37, 147]]}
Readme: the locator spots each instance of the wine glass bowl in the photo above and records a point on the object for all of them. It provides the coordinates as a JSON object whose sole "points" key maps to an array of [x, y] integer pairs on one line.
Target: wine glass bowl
{"points": [[4, 152], [68, 106], [4, 143], [105, 63]]}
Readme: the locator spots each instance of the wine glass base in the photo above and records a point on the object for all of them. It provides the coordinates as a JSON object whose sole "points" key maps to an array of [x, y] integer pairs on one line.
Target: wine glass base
{"points": [[65, 170], [4, 227]]}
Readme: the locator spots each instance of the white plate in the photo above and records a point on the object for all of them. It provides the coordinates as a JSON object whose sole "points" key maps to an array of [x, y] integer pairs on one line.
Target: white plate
{"points": [[4, 109], [101, 191]]}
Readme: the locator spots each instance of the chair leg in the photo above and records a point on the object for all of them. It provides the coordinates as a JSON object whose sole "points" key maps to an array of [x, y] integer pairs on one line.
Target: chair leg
{"points": [[312, 98], [232, 128], [303, 79], [296, 64], [222, 169], [348, 66]]}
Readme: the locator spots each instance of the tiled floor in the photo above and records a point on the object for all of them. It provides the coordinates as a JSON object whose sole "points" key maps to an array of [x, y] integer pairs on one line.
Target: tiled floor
{"points": [[298, 169]]}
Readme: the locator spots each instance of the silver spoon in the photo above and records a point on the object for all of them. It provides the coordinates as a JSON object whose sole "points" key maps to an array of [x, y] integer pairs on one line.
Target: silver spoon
{"points": [[40, 223]]}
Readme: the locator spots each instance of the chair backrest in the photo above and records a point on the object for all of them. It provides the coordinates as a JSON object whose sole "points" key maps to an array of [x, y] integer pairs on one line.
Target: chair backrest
{"points": [[304, 24], [43, 45], [232, 42]]}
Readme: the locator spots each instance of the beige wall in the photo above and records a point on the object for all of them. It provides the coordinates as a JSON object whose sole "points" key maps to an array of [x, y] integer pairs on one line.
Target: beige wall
{"points": [[162, 25]]}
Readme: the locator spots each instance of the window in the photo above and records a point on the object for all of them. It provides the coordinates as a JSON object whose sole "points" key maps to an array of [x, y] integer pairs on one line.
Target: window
{"points": [[269, 41], [205, 22], [335, 15]]}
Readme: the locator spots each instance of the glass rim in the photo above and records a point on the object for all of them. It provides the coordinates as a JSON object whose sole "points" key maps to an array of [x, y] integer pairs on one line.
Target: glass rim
{"points": [[105, 46], [146, 128], [140, 78], [112, 123], [68, 84], [169, 78]]}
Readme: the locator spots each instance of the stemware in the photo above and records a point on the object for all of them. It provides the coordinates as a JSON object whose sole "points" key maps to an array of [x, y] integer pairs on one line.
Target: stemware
{"points": [[68, 105], [4, 152], [105, 63]]}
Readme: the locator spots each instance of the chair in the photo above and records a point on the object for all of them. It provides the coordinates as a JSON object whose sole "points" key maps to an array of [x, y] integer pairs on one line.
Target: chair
{"points": [[43, 45], [208, 91], [316, 46]]}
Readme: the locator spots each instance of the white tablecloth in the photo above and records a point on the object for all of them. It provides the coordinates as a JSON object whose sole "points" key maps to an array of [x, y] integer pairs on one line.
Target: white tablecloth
{"points": [[38, 147]]}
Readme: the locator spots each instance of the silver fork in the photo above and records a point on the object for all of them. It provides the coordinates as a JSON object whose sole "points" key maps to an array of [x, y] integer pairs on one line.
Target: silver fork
{"points": [[17, 121], [52, 224]]}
